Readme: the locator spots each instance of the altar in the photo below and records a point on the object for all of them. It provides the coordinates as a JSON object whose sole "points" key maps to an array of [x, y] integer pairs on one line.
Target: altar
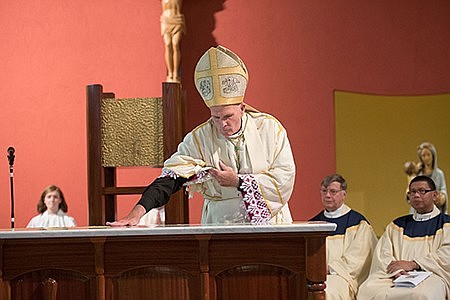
{"points": [[165, 262]]}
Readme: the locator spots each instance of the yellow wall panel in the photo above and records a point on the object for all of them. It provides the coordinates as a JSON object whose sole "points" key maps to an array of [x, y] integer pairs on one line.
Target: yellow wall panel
{"points": [[375, 136]]}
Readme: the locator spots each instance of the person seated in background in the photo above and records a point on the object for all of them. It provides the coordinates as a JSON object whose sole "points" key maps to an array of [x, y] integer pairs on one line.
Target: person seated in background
{"points": [[240, 159], [350, 247], [420, 241], [52, 209]]}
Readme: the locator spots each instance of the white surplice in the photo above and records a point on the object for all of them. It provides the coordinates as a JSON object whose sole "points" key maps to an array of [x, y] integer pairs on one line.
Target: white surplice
{"points": [[47, 220]]}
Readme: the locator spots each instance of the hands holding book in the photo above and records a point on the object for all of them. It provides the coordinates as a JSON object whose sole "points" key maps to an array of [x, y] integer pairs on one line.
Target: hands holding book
{"points": [[406, 273], [401, 267]]}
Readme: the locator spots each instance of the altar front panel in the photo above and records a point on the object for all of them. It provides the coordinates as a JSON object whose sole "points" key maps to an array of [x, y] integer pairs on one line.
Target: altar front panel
{"points": [[181, 262]]}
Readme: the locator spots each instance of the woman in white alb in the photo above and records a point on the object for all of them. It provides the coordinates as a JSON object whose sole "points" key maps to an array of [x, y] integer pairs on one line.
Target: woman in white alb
{"points": [[52, 208]]}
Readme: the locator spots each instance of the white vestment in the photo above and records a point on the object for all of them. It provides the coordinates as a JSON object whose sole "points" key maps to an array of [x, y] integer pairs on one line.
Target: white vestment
{"points": [[349, 252], [414, 238], [261, 155], [47, 220]]}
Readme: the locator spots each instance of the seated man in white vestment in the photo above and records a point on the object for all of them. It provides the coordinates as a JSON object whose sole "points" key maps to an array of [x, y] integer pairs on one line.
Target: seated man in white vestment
{"points": [[350, 247], [417, 242], [240, 159]]}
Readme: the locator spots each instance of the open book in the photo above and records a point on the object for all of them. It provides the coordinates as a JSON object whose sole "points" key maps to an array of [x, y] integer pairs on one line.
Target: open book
{"points": [[412, 279]]}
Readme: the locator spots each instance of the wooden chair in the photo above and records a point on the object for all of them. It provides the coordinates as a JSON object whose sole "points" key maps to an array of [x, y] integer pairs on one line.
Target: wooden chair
{"points": [[102, 183]]}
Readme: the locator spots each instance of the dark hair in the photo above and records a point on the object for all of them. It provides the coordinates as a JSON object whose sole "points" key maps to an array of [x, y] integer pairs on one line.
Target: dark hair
{"points": [[41, 207], [426, 179], [332, 178]]}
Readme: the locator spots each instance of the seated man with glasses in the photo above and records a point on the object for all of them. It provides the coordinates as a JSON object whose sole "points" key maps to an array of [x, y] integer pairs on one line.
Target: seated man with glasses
{"points": [[417, 242], [350, 247]]}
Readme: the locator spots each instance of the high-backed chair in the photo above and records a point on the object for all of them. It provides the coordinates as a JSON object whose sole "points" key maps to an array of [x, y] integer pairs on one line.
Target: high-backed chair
{"points": [[131, 132]]}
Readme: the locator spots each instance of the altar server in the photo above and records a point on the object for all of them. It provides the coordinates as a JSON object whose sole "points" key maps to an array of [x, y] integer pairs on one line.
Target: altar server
{"points": [[350, 247], [52, 209], [420, 241]]}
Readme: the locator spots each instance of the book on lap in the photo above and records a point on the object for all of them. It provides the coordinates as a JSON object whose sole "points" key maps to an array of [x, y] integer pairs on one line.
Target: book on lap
{"points": [[412, 279]]}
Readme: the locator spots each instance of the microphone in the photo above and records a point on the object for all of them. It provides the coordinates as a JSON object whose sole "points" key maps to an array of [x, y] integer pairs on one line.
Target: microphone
{"points": [[11, 156]]}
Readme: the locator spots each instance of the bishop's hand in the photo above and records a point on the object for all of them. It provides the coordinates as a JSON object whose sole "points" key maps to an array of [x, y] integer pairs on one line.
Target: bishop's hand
{"points": [[225, 175]]}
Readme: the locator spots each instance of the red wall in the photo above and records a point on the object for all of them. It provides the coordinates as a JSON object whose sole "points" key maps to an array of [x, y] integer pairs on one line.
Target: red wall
{"points": [[297, 55]]}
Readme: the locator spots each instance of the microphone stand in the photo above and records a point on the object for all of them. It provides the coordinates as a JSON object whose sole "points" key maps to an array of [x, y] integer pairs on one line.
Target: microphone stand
{"points": [[11, 181]]}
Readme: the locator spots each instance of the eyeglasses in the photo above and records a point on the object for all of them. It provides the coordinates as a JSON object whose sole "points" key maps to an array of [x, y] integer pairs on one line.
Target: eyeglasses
{"points": [[420, 191], [332, 192]]}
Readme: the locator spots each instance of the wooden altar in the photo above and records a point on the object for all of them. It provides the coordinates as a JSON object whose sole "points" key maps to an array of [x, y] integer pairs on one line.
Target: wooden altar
{"points": [[165, 262]]}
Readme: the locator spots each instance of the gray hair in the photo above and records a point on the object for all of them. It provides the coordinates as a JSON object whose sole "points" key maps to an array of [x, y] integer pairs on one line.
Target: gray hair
{"points": [[332, 178]]}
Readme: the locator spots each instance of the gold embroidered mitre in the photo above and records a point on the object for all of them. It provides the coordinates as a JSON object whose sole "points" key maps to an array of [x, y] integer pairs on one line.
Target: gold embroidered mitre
{"points": [[221, 77]]}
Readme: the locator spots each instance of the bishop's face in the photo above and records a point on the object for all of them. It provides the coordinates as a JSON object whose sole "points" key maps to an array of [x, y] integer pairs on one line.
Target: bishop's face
{"points": [[227, 118]]}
